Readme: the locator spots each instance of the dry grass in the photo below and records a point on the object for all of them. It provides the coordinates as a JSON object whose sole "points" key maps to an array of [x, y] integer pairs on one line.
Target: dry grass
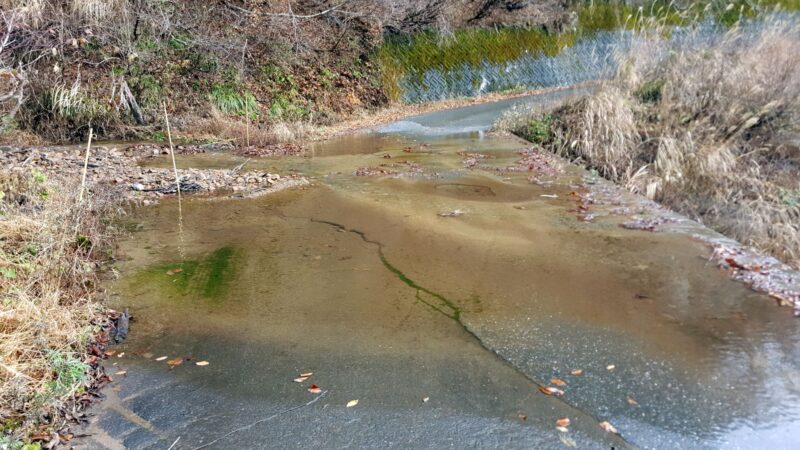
{"points": [[50, 248], [711, 131], [260, 134], [95, 9]]}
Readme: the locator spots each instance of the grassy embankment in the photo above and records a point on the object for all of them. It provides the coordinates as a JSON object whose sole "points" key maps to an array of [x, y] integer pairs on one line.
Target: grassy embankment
{"points": [[225, 72], [710, 131], [51, 248]]}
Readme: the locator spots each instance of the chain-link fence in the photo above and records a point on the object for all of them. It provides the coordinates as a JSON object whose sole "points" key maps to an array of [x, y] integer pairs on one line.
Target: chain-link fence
{"points": [[593, 57]]}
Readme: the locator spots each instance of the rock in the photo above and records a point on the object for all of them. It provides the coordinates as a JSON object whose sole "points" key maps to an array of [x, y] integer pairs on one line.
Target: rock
{"points": [[137, 187]]}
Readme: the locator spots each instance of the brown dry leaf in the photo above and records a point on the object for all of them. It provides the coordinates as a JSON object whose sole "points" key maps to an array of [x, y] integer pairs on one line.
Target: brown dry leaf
{"points": [[175, 362], [562, 422], [110, 352], [65, 437], [577, 372], [300, 379], [161, 358], [522, 417], [551, 391], [558, 382], [608, 427], [352, 403], [174, 271], [201, 363], [314, 389], [632, 401]]}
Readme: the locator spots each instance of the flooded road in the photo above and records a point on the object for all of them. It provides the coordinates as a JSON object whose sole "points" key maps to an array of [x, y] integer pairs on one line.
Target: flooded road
{"points": [[442, 295]]}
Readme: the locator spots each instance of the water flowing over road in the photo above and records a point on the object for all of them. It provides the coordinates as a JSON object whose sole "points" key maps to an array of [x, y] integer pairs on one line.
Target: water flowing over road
{"points": [[444, 284]]}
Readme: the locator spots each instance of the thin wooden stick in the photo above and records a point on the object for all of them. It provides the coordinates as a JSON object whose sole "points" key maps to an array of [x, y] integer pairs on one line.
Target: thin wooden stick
{"points": [[172, 153], [247, 118], [173, 444], [177, 182], [85, 165]]}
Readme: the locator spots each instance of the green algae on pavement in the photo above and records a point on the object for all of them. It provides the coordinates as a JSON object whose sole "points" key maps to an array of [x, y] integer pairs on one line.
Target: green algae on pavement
{"points": [[207, 277]]}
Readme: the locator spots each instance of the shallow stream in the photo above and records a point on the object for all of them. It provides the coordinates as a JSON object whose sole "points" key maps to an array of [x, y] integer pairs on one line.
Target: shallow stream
{"points": [[442, 298]]}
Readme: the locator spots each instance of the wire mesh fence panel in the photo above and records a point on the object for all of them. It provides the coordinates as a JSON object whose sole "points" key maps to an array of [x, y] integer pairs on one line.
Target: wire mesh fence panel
{"points": [[595, 57]]}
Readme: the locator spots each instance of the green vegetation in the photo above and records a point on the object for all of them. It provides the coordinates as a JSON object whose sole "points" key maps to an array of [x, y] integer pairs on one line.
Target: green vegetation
{"points": [[539, 130], [650, 91], [73, 105], [70, 374], [231, 100], [286, 102]]}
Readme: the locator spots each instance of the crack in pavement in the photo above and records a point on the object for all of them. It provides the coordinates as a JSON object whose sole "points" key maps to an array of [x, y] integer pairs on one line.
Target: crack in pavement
{"points": [[450, 310]]}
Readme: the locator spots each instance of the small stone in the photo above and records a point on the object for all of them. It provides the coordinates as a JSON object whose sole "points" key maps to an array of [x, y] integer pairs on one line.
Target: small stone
{"points": [[137, 187]]}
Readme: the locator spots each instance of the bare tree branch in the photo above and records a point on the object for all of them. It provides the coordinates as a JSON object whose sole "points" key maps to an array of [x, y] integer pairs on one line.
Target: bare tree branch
{"points": [[294, 16]]}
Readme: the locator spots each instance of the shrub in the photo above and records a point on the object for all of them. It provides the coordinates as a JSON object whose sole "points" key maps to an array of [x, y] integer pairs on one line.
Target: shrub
{"points": [[229, 100]]}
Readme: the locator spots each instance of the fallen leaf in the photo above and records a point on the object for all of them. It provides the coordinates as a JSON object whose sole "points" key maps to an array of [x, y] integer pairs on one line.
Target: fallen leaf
{"points": [[352, 403], [314, 389], [121, 373], [522, 417], [175, 362], [121, 355], [109, 353], [307, 374], [632, 401], [174, 271], [608, 427], [39, 437], [425, 400], [735, 265], [611, 367], [558, 382], [201, 363], [300, 379], [65, 437], [563, 429], [551, 391], [577, 372], [562, 422]]}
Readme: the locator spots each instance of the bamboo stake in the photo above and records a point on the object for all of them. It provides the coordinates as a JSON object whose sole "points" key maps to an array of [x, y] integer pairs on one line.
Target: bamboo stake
{"points": [[247, 118], [85, 165], [172, 153], [177, 182]]}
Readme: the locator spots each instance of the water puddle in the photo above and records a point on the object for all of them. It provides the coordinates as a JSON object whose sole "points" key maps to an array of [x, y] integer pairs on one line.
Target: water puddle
{"points": [[442, 326]]}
